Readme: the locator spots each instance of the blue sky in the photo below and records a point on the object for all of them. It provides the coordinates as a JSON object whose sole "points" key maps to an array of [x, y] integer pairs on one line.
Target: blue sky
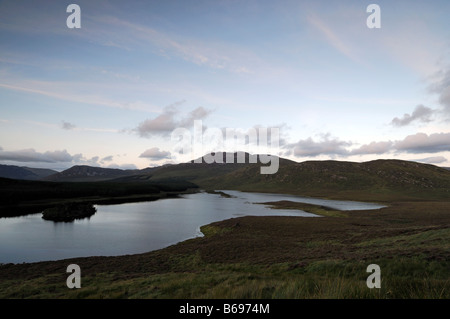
{"points": [[111, 92]]}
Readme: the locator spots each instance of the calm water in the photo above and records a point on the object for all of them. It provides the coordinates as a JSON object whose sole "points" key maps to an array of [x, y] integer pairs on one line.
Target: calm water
{"points": [[137, 227]]}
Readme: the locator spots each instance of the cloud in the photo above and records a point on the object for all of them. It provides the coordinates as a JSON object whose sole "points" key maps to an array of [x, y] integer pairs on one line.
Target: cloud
{"points": [[432, 160], [219, 56], [413, 144], [445, 99], [123, 166], [423, 143], [67, 126], [373, 148], [161, 124], [155, 154], [420, 113], [197, 114], [107, 159], [30, 155], [442, 88], [332, 38], [274, 135], [416, 143], [166, 122], [50, 157], [309, 148], [71, 91]]}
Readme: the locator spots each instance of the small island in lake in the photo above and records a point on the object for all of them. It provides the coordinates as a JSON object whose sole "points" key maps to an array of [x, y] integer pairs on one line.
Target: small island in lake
{"points": [[69, 212]]}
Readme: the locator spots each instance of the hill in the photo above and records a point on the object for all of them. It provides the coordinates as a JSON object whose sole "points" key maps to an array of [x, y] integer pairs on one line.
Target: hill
{"points": [[24, 173], [381, 180], [84, 173], [200, 170]]}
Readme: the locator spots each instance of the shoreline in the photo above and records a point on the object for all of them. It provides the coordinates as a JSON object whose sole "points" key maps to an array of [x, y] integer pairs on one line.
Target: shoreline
{"points": [[316, 210]]}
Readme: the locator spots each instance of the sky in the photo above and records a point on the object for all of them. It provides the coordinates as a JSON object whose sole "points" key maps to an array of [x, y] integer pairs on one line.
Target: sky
{"points": [[113, 92]]}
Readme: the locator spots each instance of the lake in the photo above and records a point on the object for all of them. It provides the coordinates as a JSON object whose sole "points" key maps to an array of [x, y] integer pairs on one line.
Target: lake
{"points": [[132, 228]]}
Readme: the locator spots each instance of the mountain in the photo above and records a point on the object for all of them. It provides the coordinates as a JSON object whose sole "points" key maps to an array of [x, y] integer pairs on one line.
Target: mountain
{"points": [[202, 169], [84, 173], [24, 173]]}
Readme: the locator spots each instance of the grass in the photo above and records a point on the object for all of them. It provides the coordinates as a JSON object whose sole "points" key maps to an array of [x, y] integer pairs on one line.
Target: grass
{"points": [[330, 279]]}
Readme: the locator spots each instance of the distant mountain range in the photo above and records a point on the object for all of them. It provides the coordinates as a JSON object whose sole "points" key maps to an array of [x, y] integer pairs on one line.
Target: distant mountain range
{"points": [[24, 173], [84, 173], [373, 180]]}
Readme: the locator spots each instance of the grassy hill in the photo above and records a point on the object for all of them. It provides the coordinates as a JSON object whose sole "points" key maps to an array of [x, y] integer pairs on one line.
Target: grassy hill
{"points": [[381, 180], [199, 173]]}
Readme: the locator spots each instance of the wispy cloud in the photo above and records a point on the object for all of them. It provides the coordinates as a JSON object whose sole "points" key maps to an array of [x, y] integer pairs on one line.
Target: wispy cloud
{"points": [[71, 127], [67, 91], [201, 52], [432, 160], [332, 38], [155, 153], [412, 44]]}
